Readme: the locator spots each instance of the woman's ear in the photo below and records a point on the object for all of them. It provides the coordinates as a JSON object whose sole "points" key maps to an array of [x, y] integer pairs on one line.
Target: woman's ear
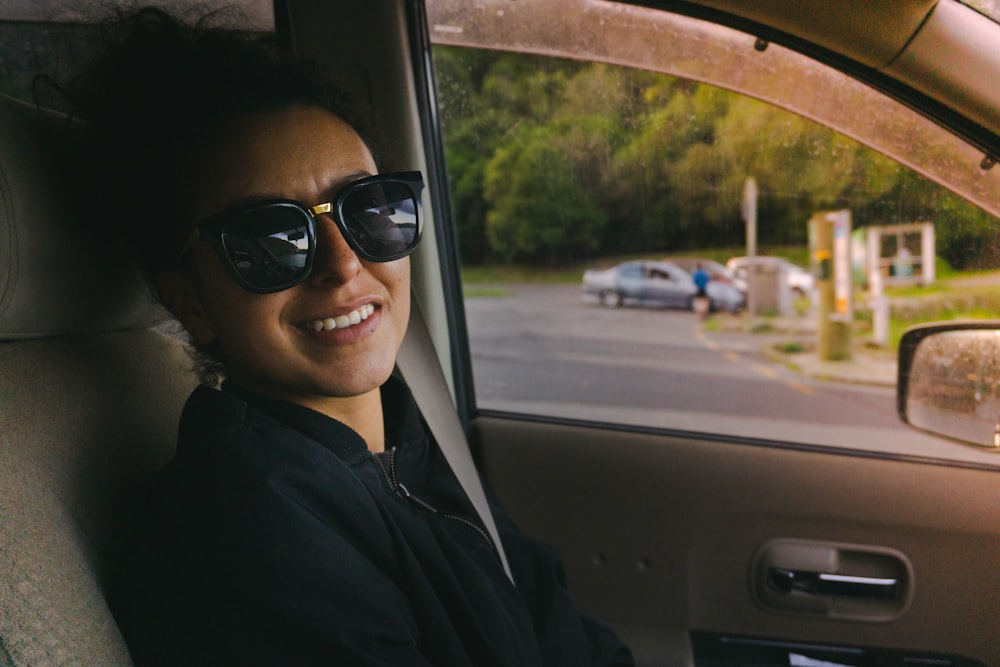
{"points": [[179, 294]]}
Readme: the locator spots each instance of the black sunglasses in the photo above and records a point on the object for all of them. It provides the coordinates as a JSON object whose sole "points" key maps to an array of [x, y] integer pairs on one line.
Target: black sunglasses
{"points": [[269, 245]]}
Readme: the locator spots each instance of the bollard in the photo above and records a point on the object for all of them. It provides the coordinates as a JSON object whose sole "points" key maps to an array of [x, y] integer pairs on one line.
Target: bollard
{"points": [[880, 320], [833, 327]]}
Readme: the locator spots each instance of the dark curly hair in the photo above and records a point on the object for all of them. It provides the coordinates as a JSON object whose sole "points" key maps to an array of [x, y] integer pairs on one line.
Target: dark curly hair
{"points": [[155, 102]]}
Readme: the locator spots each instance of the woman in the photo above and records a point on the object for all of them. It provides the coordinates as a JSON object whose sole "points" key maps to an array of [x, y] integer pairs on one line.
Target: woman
{"points": [[307, 518]]}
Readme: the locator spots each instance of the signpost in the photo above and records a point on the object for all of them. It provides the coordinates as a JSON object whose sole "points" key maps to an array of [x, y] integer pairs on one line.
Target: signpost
{"points": [[748, 211]]}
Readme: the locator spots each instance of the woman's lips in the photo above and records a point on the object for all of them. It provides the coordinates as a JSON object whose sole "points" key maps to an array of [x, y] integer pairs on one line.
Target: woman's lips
{"points": [[344, 321]]}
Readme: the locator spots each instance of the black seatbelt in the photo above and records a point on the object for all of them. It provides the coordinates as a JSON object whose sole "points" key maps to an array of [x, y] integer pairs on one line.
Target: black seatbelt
{"points": [[419, 365]]}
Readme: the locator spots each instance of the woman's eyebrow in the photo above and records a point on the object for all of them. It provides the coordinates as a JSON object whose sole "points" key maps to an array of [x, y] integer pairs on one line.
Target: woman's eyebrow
{"points": [[329, 194], [251, 199], [334, 188]]}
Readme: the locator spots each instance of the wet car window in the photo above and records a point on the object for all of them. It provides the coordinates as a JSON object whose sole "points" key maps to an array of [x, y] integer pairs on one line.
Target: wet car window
{"points": [[989, 8], [661, 136]]}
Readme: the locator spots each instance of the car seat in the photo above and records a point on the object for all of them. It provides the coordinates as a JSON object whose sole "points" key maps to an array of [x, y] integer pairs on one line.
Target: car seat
{"points": [[90, 398]]}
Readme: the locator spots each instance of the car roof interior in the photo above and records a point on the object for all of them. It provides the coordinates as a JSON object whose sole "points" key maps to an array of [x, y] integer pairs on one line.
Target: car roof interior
{"points": [[92, 394], [928, 53]]}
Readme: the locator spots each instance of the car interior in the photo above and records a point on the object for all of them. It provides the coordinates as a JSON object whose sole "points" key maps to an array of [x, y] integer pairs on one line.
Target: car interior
{"points": [[696, 547]]}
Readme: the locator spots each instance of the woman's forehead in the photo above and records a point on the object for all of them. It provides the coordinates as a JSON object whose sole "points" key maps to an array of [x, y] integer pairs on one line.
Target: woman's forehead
{"points": [[299, 153]]}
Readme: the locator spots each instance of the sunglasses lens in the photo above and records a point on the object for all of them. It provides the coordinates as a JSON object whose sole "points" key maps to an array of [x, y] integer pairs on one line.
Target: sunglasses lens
{"points": [[270, 246], [382, 218]]}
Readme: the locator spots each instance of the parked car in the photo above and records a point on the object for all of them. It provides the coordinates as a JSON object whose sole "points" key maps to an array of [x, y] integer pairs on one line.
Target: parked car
{"points": [[712, 507], [801, 282], [651, 283], [716, 272]]}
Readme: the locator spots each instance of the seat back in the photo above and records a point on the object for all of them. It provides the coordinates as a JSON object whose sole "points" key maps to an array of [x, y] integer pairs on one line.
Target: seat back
{"points": [[90, 398]]}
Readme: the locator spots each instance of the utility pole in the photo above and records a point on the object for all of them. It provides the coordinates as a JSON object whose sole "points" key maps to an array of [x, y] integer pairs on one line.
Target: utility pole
{"points": [[748, 211]]}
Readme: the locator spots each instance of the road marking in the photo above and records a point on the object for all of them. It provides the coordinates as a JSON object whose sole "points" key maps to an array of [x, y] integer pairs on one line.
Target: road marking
{"points": [[804, 388], [765, 371]]}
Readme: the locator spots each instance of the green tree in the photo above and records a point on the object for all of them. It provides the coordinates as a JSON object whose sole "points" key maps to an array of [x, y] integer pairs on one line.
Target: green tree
{"points": [[653, 194], [485, 98], [540, 209], [552, 160]]}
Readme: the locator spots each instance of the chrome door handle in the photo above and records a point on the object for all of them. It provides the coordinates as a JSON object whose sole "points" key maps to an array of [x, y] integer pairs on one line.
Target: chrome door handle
{"points": [[835, 580], [825, 583]]}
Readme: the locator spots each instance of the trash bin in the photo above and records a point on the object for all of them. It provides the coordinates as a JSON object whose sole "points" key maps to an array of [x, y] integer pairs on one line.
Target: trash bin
{"points": [[767, 286]]}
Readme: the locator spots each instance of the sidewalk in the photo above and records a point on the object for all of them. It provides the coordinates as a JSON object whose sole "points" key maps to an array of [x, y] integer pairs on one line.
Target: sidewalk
{"points": [[791, 341], [862, 368]]}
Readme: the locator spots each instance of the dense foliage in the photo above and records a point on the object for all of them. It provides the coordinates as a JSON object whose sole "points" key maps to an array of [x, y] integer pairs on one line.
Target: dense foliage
{"points": [[554, 161]]}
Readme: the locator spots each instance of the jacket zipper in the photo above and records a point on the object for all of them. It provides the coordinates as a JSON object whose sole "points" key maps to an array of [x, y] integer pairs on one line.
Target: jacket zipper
{"points": [[400, 489]]}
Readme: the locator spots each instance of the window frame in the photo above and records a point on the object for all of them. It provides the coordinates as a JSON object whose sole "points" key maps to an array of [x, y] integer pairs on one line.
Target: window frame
{"points": [[976, 135]]}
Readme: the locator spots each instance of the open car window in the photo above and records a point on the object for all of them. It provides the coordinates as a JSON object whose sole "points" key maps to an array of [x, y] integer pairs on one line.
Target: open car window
{"points": [[577, 140]]}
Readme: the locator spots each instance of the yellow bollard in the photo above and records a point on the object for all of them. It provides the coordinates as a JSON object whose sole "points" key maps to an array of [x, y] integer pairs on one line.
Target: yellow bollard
{"points": [[833, 326]]}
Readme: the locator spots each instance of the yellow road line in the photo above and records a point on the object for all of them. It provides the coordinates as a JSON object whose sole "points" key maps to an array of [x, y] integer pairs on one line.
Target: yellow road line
{"points": [[765, 371]]}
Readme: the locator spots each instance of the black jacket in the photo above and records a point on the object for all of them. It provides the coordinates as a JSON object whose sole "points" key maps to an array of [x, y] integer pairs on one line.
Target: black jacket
{"points": [[276, 538]]}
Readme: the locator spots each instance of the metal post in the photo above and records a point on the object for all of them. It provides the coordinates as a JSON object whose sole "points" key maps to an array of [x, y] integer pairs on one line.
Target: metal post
{"points": [[833, 329], [748, 207]]}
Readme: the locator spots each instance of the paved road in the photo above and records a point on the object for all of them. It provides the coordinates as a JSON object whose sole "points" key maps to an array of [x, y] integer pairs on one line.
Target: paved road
{"points": [[542, 350]]}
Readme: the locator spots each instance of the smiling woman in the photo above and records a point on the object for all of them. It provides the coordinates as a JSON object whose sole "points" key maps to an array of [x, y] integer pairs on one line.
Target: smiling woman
{"points": [[267, 342], [717, 506], [307, 516]]}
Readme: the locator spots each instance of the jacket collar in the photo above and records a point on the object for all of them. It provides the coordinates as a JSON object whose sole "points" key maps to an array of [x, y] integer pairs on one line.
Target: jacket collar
{"points": [[402, 419]]}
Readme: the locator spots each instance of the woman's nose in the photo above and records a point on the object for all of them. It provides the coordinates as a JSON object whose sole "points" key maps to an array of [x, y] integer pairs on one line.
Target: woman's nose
{"points": [[335, 261]]}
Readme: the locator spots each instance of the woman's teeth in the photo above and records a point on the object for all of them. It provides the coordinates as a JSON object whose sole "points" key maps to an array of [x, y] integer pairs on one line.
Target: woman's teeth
{"points": [[343, 321]]}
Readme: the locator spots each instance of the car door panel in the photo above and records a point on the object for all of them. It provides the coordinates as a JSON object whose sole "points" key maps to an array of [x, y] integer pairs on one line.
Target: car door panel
{"points": [[659, 532], [667, 290]]}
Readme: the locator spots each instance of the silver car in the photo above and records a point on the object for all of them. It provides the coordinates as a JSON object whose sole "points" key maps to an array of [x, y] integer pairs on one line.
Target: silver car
{"points": [[652, 283]]}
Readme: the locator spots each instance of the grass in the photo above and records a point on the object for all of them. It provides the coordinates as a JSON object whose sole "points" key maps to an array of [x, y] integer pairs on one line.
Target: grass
{"points": [[915, 290], [944, 311], [517, 273], [572, 272], [484, 292], [762, 328]]}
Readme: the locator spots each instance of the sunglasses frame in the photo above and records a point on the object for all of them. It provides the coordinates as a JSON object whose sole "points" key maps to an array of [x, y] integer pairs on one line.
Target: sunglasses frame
{"points": [[212, 228]]}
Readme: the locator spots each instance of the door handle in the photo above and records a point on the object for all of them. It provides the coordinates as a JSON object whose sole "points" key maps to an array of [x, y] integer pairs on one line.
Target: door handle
{"points": [[831, 579], [826, 583]]}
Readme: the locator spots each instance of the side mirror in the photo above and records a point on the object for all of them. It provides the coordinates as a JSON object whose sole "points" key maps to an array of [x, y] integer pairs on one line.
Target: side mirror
{"points": [[949, 381]]}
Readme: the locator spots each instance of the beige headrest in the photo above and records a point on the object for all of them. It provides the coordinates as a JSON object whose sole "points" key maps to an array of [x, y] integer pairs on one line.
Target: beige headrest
{"points": [[56, 277]]}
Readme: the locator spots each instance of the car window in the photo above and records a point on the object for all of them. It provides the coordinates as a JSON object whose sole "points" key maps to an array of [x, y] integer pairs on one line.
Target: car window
{"points": [[646, 140], [990, 8], [634, 271]]}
